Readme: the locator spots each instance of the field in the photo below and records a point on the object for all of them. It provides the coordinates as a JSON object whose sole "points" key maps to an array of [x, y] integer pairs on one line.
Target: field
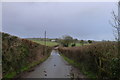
{"points": [[48, 43], [79, 44]]}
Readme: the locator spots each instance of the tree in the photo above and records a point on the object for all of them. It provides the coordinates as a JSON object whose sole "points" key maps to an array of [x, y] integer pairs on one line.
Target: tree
{"points": [[74, 42], [82, 42], [89, 41], [116, 25], [73, 45], [66, 40]]}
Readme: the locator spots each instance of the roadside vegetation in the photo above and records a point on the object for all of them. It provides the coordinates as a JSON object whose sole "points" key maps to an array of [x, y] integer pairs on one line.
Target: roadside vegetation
{"points": [[19, 55], [98, 60]]}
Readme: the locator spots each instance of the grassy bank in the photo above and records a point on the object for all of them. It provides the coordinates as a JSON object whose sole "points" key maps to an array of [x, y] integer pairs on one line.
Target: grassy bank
{"points": [[19, 55], [98, 60]]}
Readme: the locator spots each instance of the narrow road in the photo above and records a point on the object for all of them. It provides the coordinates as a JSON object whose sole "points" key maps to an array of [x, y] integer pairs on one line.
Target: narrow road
{"points": [[54, 67]]}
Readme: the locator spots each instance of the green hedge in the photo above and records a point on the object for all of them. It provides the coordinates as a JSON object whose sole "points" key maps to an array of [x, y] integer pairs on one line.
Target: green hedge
{"points": [[99, 58], [20, 54]]}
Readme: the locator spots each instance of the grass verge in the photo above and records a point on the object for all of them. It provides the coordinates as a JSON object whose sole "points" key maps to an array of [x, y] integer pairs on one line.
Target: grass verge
{"points": [[88, 74]]}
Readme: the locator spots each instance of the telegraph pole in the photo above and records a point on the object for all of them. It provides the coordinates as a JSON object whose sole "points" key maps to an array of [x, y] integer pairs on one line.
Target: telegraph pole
{"points": [[45, 38], [45, 42]]}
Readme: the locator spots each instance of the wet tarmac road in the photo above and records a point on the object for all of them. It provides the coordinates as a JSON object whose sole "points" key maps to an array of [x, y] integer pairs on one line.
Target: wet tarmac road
{"points": [[54, 67]]}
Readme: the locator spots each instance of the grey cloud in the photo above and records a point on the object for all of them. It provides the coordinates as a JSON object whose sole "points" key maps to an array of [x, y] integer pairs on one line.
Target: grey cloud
{"points": [[81, 20]]}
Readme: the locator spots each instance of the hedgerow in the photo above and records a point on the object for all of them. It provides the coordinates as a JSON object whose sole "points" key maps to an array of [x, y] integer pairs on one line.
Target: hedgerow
{"points": [[18, 54], [101, 58]]}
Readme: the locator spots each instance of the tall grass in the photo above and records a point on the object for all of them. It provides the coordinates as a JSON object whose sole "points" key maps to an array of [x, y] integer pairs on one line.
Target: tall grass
{"points": [[99, 58], [20, 54]]}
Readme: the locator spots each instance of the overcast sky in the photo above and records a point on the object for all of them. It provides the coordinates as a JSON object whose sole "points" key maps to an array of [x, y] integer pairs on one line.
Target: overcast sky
{"points": [[82, 20]]}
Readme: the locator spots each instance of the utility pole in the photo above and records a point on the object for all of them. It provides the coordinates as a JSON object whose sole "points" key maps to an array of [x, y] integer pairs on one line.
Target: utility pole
{"points": [[45, 38], [45, 42]]}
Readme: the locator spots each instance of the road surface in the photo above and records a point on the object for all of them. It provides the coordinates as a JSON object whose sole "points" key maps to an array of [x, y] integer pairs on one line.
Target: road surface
{"points": [[54, 67]]}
